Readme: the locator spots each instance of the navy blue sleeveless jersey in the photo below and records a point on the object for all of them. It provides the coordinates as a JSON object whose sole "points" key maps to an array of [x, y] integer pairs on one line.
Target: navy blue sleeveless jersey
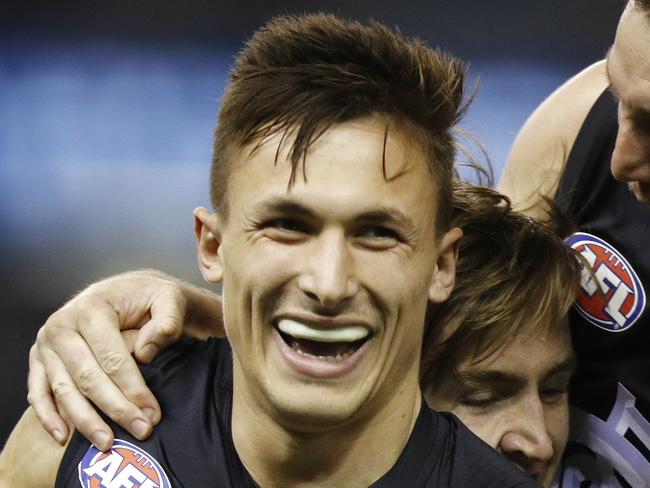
{"points": [[192, 447], [610, 324]]}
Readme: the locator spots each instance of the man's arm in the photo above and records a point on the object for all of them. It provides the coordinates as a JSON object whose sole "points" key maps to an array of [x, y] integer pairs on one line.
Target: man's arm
{"points": [[543, 144], [81, 356], [31, 458]]}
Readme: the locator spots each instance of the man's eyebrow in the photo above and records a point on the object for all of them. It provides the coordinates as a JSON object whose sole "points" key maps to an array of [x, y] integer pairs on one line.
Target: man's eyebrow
{"points": [[279, 205], [387, 216], [489, 377], [568, 365], [382, 215]]}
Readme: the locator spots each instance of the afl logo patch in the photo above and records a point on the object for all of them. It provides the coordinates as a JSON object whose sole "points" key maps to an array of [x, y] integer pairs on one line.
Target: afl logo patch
{"points": [[124, 466], [613, 297]]}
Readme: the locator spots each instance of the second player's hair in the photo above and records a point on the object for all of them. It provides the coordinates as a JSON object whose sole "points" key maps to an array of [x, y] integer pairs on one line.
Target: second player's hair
{"points": [[513, 274]]}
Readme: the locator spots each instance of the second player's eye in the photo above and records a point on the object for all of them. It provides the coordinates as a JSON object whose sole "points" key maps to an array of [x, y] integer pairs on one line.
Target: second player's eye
{"points": [[479, 400], [554, 394]]}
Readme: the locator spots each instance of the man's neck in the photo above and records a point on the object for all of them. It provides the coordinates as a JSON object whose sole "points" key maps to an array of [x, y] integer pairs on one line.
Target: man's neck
{"points": [[352, 455]]}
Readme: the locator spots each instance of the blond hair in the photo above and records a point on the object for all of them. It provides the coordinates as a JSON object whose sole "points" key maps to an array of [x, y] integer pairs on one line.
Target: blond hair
{"points": [[513, 274]]}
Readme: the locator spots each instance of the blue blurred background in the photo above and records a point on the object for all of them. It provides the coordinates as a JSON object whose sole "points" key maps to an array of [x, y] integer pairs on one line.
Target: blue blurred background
{"points": [[107, 111]]}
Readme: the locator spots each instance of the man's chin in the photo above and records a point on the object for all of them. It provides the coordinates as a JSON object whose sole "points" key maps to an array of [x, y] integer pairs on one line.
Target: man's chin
{"points": [[640, 190], [313, 417]]}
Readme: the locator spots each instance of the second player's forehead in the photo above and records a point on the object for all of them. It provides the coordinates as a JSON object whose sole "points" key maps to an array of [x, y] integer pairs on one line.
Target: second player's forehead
{"points": [[538, 347]]}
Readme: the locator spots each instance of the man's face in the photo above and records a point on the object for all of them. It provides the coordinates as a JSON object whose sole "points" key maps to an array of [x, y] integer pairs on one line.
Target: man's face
{"points": [[516, 398], [326, 283], [628, 67]]}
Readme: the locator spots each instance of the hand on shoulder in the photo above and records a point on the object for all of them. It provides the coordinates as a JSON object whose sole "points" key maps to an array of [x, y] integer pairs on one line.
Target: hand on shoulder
{"points": [[82, 358]]}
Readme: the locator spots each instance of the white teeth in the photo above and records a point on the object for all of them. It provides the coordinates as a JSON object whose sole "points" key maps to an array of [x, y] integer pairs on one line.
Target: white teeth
{"points": [[299, 330], [330, 359]]}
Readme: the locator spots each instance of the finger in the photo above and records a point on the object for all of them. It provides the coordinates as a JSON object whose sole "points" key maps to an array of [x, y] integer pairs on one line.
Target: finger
{"points": [[113, 355], [165, 326], [40, 397], [104, 350], [129, 337], [153, 337], [78, 409], [89, 380]]}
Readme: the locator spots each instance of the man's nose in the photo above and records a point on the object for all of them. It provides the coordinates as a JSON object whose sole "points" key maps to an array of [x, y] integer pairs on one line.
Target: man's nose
{"points": [[526, 441], [329, 269], [631, 156]]}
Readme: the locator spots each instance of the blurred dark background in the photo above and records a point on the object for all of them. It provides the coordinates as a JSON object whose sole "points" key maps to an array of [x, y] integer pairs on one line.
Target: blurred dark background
{"points": [[107, 109]]}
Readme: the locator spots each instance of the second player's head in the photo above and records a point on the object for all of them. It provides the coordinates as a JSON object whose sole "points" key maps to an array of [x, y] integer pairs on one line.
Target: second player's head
{"points": [[498, 352]]}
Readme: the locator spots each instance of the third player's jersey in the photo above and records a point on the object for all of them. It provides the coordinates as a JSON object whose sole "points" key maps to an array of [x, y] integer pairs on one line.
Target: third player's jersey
{"points": [[610, 434]]}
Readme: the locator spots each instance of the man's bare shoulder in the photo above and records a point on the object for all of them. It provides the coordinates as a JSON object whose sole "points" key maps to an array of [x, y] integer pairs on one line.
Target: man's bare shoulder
{"points": [[543, 144], [30, 458]]}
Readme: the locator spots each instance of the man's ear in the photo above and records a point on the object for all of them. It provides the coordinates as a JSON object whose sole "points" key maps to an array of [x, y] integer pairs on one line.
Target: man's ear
{"points": [[444, 276], [208, 244]]}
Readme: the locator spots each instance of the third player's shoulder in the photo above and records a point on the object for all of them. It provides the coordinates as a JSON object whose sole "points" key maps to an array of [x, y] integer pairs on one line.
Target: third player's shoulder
{"points": [[543, 144]]}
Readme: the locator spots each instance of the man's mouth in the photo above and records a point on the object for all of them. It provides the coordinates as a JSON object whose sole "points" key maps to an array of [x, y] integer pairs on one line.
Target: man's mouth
{"points": [[328, 344]]}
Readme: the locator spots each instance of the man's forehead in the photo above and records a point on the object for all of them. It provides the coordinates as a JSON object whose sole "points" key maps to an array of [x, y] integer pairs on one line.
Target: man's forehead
{"points": [[354, 167], [393, 150], [501, 369], [544, 335], [628, 59]]}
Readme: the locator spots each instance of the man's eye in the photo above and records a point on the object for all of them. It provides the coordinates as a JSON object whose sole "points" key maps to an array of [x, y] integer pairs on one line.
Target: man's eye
{"points": [[379, 233], [479, 401], [553, 395], [288, 225], [377, 237], [286, 230]]}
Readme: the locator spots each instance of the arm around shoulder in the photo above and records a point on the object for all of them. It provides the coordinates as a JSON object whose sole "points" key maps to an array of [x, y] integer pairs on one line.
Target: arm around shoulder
{"points": [[543, 144], [30, 458]]}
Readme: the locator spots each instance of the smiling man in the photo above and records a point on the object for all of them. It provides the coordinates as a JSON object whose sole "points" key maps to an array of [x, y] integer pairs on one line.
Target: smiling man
{"points": [[588, 146], [332, 184]]}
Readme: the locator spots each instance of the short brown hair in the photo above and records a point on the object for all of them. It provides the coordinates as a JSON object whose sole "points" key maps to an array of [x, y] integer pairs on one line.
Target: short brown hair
{"points": [[513, 274], [299, 75]]}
